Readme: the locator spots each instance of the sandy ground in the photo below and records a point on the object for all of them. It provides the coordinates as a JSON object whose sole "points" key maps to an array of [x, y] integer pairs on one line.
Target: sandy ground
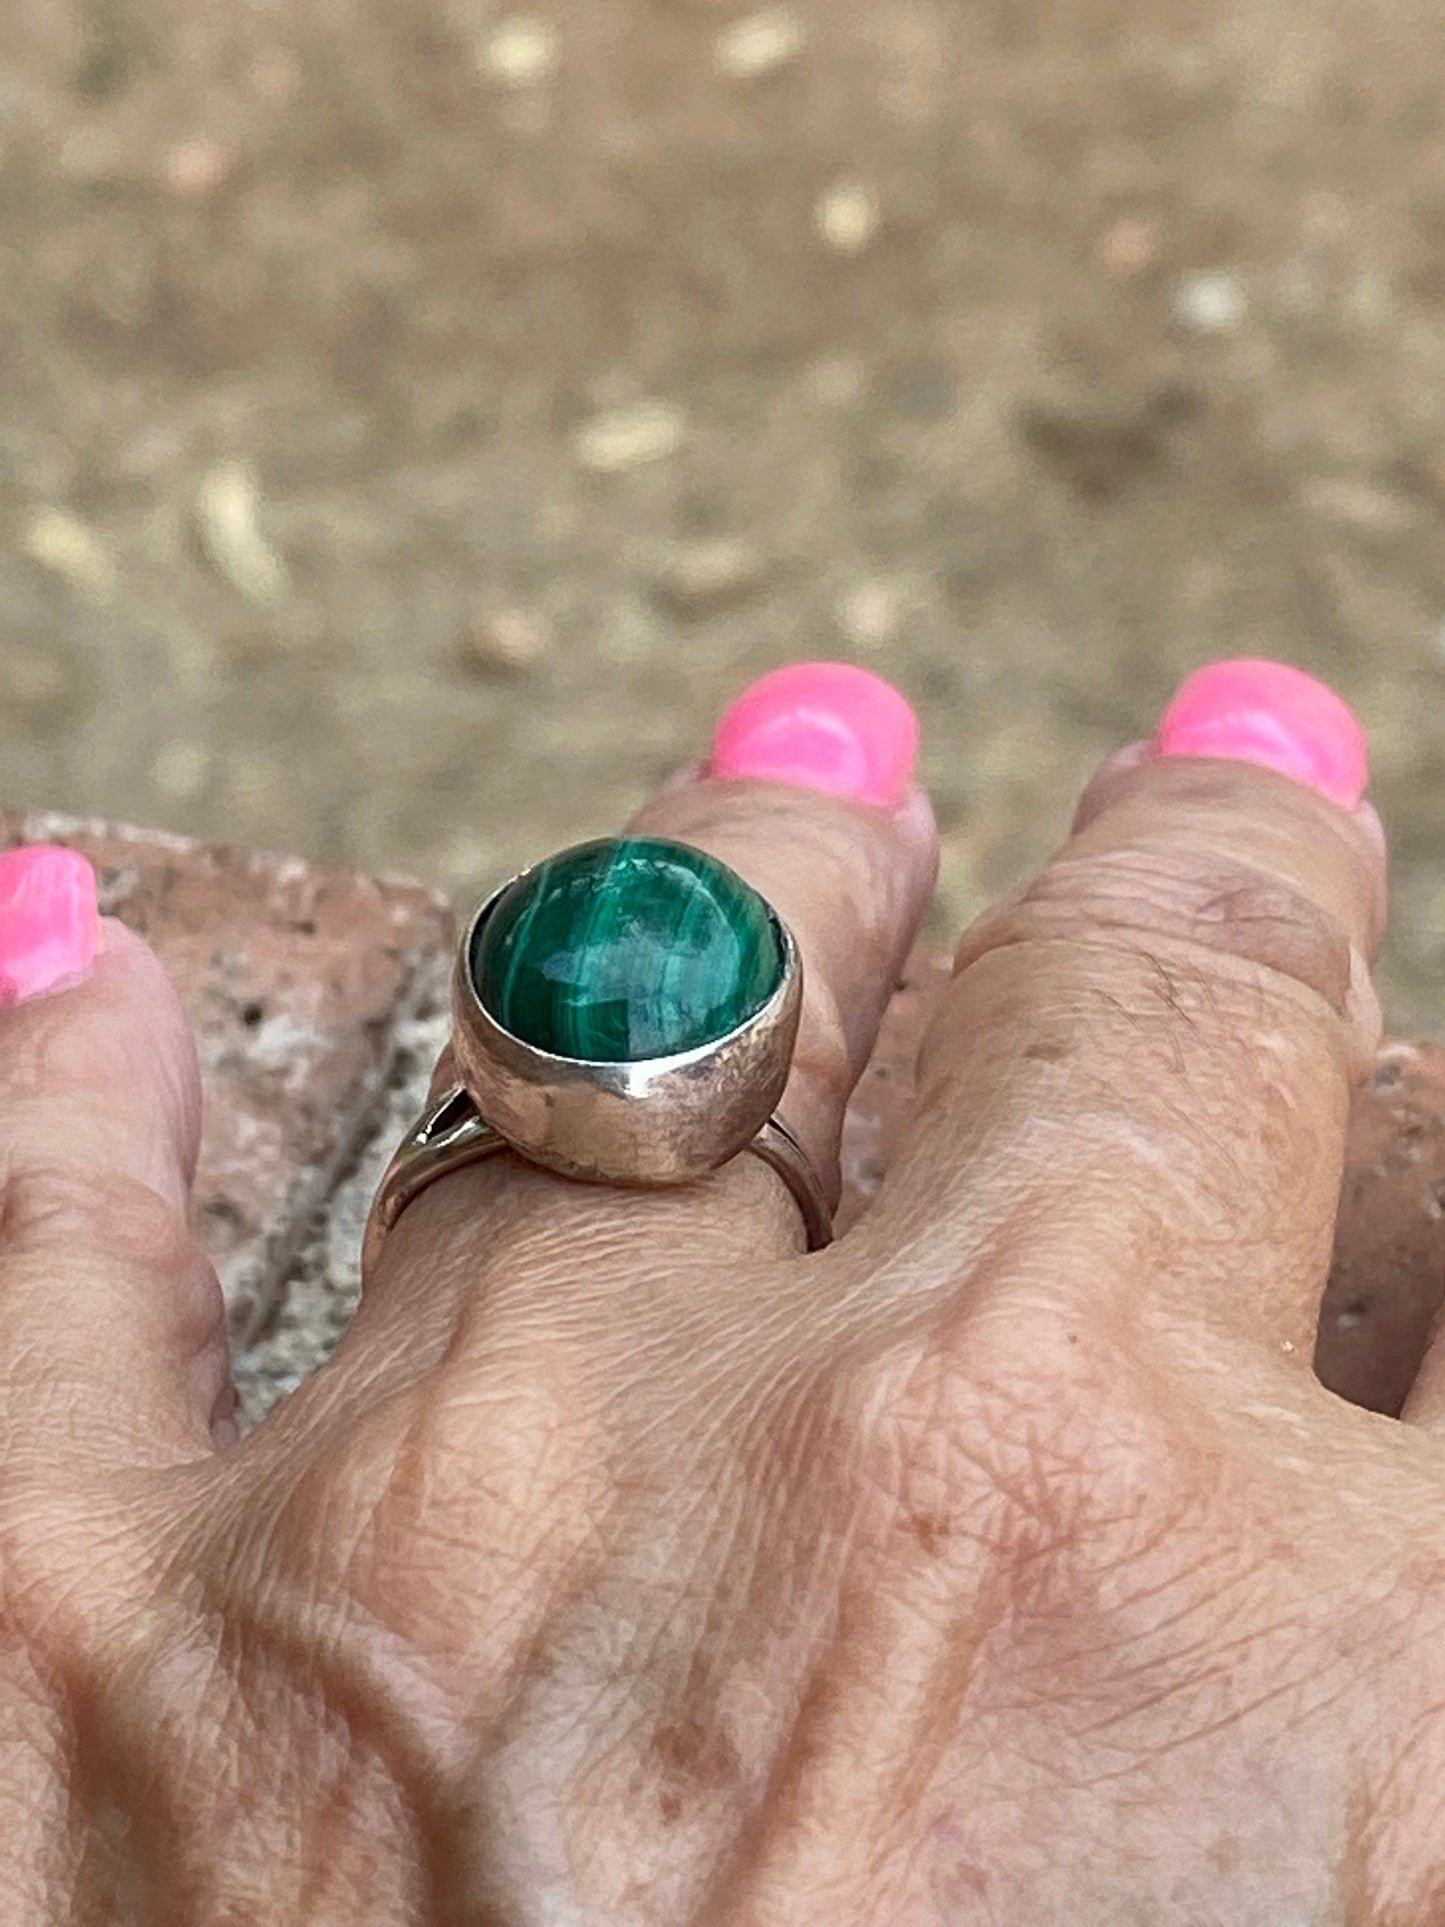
{"points": [[416, 419]]}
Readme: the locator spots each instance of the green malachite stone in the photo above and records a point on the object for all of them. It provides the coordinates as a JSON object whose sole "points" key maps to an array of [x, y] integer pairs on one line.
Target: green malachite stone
{"points": [[624, 949]]}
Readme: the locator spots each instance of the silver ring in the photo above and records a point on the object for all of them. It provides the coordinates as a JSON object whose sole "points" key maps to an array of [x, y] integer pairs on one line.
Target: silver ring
{"points": [[614, 947]]}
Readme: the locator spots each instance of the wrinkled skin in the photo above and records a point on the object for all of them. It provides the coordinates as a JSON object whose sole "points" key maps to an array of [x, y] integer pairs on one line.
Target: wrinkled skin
{"points": [[1003, 1564]]}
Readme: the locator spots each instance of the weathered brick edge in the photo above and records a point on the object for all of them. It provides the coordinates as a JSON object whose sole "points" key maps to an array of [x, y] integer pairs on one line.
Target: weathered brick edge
{"points": [[300, 983], [324, 1286]]}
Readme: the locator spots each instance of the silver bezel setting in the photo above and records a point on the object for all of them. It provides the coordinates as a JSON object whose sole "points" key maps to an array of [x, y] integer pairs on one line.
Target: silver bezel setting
{"points": [[664, 1120]]}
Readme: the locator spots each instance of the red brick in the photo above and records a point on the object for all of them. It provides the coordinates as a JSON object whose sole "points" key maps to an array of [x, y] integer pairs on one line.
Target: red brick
{"points": [[297, 980], [1388, 1275]]}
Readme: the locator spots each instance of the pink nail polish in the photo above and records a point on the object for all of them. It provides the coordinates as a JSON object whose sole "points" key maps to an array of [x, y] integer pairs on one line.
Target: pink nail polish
{"points": [[49, 921], [1269, 713], [825, 726]]}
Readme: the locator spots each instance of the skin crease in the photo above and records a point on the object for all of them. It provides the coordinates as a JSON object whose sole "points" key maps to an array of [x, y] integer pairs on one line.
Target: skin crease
{"points": [[1004, 1564]]}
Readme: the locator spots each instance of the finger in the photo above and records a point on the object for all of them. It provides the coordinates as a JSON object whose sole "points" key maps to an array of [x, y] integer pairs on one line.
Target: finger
{"points": [[831, 825], [809, 796], [112, 1337], [1138, 1085]]}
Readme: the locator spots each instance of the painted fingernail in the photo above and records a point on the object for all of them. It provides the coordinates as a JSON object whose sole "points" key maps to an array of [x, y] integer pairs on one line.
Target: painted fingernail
{"points": [[49, 921], [825, 726], [1269, 713]]}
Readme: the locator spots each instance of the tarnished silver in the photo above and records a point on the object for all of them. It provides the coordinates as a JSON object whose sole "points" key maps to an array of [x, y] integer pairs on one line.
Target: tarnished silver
{"points": [[662, 1121]]}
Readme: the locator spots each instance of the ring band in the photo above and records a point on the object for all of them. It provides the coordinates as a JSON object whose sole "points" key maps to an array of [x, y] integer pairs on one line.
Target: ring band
{"points": [[452, 1134], [624, 1013]]}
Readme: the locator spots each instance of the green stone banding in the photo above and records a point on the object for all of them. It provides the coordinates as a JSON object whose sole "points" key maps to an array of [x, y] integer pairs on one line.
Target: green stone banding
{"points": [[625, 949]]}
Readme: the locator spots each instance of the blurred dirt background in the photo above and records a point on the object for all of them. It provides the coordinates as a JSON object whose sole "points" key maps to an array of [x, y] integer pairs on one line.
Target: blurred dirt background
{"points": [[416, 417]]}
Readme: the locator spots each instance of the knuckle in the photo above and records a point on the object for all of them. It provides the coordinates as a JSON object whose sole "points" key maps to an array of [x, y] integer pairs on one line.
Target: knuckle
{"points": [[58, 1184], [1216, 911], [73, 1564], [1022, 1450], [62, 1201], [1024, 1472], [462, 1491], [62, 1198]]}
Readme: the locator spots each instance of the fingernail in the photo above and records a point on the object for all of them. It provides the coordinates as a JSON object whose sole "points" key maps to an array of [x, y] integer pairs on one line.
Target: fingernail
{"points": [[825, 726], [49, 921], [1269, 713]]}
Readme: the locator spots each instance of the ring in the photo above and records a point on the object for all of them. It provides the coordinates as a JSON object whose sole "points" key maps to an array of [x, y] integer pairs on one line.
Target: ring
{"points": [[623, 1013]]}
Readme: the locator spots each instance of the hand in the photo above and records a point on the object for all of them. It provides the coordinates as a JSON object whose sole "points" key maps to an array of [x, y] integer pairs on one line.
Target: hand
{"points": [[1004, 1564]]}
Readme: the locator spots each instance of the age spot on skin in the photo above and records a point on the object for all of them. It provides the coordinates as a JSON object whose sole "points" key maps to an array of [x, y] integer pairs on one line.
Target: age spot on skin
{"points": [[1048, 1052], [930, 1530], [704, 1756]]}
